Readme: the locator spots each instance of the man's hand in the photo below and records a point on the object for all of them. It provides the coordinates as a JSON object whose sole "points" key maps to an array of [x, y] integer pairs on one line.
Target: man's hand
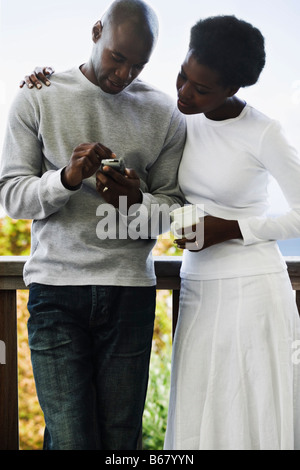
{"points": [[38, 77], [111, 185], [213, 232], [85, 161]]}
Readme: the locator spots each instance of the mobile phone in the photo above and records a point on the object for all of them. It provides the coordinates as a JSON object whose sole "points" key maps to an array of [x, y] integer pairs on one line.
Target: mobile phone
{"points": [[115, 164]]}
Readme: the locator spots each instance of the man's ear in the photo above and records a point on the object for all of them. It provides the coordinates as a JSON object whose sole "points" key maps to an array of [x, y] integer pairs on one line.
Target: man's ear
{"points": [[97, 31]]}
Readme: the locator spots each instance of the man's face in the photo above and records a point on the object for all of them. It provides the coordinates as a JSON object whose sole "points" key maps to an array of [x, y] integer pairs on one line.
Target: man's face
{"points": [[119, 56]]}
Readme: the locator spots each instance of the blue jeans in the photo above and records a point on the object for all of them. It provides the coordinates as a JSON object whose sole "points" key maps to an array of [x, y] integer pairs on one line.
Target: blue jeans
{"points": [[90, 351]]}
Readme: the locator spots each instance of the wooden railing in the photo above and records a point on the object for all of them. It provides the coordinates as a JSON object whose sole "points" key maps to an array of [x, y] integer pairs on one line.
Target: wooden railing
{"points": [[11, 280]]}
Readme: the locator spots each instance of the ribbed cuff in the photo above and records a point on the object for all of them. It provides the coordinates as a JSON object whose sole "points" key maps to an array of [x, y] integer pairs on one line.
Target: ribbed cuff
{"points": [[69, 188]]}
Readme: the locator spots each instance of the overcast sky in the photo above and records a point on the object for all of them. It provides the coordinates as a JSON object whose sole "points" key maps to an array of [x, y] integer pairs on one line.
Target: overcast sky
{"points": [[58, 33]]}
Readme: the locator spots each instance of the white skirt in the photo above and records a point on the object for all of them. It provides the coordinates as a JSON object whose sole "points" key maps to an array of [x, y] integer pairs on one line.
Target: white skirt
{"points": [[235, 382]]}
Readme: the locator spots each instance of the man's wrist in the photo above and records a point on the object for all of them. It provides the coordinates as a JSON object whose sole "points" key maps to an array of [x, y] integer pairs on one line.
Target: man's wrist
{"points": [[66, 185]]}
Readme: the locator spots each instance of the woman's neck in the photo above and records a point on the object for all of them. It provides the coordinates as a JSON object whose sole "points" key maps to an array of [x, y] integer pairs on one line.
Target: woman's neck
{"points": [[231, 109]]}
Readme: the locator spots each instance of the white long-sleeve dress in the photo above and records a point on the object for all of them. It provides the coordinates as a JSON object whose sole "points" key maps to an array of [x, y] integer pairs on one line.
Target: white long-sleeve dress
{"points": [[235, 381]]}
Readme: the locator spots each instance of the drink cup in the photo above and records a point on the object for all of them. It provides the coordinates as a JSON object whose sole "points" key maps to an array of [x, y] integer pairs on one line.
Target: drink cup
{"points": [[183, 220]]}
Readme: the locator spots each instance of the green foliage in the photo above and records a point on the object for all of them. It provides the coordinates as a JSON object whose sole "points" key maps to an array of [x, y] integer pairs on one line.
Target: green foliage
{"points": [[31, 420], [156, 409], [165, 246], [14, 237]]}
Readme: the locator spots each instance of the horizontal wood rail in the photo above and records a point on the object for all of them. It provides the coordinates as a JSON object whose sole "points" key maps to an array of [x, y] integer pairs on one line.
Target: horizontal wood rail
{"points": [[11, 279]]}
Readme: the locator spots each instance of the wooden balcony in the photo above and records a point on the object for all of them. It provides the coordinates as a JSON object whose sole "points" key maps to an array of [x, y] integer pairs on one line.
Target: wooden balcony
{"points": [[11, 280]]}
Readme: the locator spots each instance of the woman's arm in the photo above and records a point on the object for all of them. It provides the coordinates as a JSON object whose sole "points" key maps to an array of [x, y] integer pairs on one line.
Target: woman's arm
{"points": [[283, 163], [208, 232]]}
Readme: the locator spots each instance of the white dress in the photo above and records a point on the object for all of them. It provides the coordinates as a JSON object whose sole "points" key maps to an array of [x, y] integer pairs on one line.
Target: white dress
{"points": [[235, 382]]}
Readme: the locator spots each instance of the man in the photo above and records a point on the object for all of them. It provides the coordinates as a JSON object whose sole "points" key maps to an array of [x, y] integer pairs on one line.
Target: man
{"points": [[91, 277]]}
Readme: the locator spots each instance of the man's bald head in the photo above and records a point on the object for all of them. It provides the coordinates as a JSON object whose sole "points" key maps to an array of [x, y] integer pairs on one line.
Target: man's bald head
{"points": [[139, 14]]}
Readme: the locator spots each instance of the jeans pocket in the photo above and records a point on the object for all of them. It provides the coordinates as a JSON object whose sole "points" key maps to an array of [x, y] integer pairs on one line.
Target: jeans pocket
{"points": [[45, 325], [42, 338]]}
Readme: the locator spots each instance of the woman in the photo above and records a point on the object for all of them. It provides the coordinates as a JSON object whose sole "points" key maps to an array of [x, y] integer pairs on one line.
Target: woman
{"points": [[234, 385]]}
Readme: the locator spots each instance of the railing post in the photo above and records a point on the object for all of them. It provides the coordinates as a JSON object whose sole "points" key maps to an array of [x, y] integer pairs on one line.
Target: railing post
{"points": [[9, 421]]}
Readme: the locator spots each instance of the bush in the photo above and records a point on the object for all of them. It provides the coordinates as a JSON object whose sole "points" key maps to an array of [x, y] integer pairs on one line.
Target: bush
{"points": [[14, 237], [156, 408]]}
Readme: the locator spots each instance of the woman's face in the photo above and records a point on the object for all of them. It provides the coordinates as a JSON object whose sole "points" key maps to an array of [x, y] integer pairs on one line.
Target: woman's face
{"points": [[200, 91]]}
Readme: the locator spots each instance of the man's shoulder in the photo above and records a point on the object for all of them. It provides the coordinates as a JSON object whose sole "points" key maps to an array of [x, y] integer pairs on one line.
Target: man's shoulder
{"points": [[61, 83], [67, 77]]}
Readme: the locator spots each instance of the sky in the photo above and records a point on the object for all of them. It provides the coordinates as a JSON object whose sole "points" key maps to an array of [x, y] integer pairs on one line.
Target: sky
{"points": [[58, 33]]}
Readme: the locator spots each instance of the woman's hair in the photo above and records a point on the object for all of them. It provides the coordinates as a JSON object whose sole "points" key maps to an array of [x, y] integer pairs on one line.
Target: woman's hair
{"points": [[233, 48]]}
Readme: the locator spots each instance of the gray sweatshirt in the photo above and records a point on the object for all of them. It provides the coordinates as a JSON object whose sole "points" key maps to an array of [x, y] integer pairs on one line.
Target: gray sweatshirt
{"points": [[78, 239]]}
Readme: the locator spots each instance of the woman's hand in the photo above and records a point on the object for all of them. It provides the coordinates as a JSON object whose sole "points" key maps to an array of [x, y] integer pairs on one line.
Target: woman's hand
{"points": [[38, 77], [210, 231]]}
